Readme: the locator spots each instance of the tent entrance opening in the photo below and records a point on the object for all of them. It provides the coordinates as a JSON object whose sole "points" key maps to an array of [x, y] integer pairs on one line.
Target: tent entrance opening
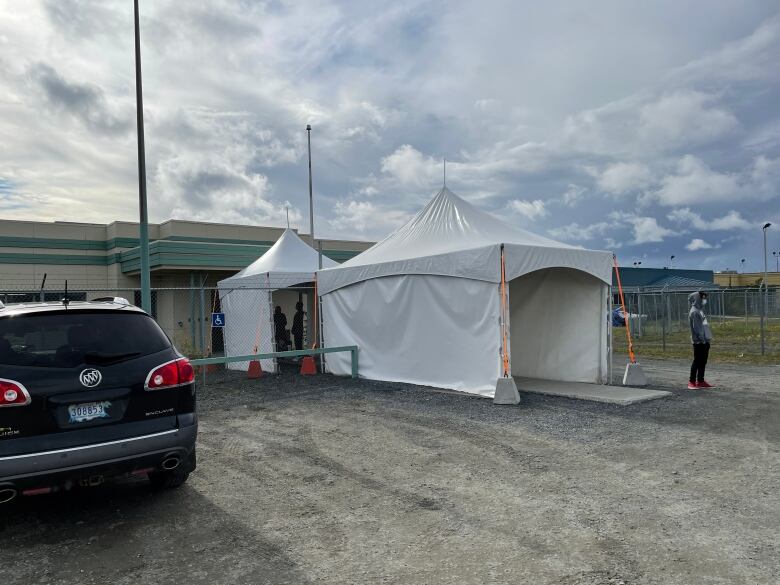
{"points": [[558, 326]]}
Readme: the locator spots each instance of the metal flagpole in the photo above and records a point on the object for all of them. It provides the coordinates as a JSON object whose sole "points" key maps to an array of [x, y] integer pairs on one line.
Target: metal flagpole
{"points": [[146, 294], [311, 195]]}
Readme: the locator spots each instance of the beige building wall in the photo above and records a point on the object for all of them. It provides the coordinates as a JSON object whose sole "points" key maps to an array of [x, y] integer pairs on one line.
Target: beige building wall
{"points": [[746, 278]]}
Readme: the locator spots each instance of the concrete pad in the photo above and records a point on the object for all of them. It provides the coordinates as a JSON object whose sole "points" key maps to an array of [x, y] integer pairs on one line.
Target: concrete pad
{"points": [[622, 395]]}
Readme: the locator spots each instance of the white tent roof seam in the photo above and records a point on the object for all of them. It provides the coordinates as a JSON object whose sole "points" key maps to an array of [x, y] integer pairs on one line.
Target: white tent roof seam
{"points": [[451, 237]]}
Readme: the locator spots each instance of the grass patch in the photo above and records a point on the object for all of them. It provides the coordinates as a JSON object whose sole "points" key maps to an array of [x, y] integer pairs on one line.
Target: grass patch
{"points": [[734, 341]]}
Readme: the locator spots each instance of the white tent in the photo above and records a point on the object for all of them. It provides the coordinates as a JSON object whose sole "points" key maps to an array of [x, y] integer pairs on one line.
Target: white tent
{"points": [[424, 305], [246, 298]]}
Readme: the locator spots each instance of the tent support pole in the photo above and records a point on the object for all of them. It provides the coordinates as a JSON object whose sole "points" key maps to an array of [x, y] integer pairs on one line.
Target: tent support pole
{"points": [[506, 389], [609, 335]]}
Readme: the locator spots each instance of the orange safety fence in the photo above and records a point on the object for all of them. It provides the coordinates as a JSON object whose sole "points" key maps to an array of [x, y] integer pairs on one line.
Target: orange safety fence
{"points": [[626, 317], [505, 356]]}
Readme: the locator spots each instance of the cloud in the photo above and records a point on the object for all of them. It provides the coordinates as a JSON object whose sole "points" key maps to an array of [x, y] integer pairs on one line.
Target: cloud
{"points": [[487, 104], [574, 232], [765, 175], [410, 167], [620, 178], [365, 216], [530, 209], [645, 229], [660, 118], [697, 244], [573, 195], [85, 102], [647, 124], [695, 182], [684, 118], [731, 221]]}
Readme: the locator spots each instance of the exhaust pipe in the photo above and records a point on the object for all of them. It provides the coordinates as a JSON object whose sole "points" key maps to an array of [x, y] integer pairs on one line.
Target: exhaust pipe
{"points": [[7, 494], [170, 463]]}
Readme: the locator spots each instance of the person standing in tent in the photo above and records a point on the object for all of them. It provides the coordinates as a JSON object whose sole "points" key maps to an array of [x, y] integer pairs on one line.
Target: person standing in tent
{"points": [[280, 329], [701, 337], [297, 326]]}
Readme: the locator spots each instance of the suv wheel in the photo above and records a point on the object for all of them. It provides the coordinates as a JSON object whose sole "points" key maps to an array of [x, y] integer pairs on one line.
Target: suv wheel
{"points": [[161, 480]]}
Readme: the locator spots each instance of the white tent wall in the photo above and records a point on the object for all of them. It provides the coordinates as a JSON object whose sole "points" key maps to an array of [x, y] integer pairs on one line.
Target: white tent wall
{"points": [[558, 327], [248, 323], [420, 329]]}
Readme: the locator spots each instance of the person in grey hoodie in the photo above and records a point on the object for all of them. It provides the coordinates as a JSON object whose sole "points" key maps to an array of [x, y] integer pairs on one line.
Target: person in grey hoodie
{"points": [[701, 337]]}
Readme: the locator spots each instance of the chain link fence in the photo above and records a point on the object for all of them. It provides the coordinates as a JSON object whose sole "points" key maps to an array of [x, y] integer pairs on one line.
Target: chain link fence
{"points": [[213, 322], [209, 321], [745, 321]]}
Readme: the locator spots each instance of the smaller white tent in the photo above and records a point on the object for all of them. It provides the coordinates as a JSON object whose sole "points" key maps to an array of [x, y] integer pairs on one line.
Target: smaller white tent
{"points": [[247, 297]]}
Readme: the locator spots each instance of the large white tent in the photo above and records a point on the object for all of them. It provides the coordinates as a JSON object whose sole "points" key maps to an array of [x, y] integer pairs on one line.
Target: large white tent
{"points": [[247, 297], [424, 305]]}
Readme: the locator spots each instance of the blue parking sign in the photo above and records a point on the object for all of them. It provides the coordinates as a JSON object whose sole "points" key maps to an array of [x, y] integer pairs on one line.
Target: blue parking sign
{"points": [[218, 319]]}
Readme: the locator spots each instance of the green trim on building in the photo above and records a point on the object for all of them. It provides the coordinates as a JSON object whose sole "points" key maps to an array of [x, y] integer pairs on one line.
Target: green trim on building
{"points": [[205, 240], [64, 244], [12, 258], [110, 244], [174, 251]]}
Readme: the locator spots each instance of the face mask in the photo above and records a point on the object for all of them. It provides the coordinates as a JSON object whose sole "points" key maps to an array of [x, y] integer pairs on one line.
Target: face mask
{"points": [[704, 302]]}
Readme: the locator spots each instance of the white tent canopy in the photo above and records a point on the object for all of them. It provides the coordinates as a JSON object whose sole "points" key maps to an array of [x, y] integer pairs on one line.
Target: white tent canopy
{"points": [[246, 298], [423, 304]]}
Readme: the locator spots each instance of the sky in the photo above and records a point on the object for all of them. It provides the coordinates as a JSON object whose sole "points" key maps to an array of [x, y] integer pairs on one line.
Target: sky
{"points": [[648, 128]]}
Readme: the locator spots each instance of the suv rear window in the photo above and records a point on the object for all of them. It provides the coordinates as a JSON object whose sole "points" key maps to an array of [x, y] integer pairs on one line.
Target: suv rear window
{"points": [[72, 338]]}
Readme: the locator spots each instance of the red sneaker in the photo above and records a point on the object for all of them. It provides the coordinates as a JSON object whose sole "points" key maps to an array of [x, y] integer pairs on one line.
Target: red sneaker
{"points": [[693, 386], [705, 384]]}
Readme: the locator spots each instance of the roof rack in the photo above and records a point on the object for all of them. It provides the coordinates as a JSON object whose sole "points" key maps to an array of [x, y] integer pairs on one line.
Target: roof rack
{"points": [[116, 300]]}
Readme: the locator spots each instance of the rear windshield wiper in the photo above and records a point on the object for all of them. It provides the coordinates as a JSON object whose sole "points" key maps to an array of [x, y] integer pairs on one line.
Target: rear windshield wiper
{"points": [[96, 357]]}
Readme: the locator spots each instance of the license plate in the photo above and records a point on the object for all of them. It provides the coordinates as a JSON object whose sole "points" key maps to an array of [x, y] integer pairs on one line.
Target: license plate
{"points": [[88, 411]]}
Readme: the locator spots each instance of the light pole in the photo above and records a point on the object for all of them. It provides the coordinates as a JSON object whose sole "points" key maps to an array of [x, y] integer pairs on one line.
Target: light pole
{"points": [[777, 261], [671, 261], [766, 291], [311, 196], [742, 265], [146, 294]]}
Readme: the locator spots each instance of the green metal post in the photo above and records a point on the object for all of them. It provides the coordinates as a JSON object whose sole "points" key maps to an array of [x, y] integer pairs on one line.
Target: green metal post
{"points": [[354, 353], [192, 309], [202, 321], [146, 288]]}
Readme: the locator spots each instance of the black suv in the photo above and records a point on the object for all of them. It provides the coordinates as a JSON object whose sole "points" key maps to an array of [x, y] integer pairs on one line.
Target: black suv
{"points": [[91, 390]]}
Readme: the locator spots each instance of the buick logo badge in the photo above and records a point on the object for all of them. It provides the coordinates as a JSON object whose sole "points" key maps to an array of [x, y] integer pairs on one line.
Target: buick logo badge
{"points": [[90, 377]]}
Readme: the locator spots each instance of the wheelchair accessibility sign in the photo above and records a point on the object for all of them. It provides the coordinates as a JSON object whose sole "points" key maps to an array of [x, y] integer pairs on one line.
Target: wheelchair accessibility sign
{"points": [[218, 319]]}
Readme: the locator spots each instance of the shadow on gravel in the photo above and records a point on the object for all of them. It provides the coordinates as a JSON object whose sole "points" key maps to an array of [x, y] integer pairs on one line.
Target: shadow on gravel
{"points": [[126, 533]]}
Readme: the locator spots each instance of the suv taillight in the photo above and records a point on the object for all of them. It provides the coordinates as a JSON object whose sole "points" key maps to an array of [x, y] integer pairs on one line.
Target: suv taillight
{"points": [[13, 394], [170, 374]]}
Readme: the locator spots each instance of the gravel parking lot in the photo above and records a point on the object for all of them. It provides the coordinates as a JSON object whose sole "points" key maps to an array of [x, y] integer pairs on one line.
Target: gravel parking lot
{"points": [[331, 480]]}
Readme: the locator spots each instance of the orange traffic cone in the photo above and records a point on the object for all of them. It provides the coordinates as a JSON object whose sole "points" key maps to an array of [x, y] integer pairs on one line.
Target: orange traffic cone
{"points": [[308, 366], [255, 370]]}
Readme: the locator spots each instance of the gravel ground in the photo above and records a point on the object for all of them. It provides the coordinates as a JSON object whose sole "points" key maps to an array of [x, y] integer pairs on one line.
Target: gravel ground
{"points": [[331, 480]]}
